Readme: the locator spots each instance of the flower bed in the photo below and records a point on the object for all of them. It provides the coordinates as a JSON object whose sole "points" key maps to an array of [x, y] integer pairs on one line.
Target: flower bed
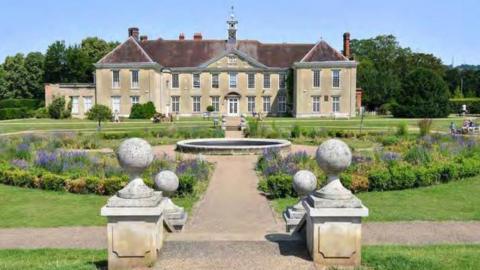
{"points": [[408, 162], [35, 163]]}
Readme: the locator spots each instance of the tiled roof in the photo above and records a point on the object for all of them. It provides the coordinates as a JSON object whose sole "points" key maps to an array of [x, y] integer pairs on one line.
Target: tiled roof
{"points": [[127, 52], [192, 53]]}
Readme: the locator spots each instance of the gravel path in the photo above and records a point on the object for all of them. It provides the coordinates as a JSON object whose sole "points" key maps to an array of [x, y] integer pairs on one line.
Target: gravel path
{"points": [[232, 203]]}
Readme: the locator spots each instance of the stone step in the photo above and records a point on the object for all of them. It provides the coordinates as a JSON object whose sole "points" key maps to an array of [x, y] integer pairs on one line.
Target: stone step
{"points": [[275, 254]]}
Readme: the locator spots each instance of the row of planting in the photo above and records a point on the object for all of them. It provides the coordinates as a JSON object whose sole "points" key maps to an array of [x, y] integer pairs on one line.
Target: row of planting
{"points": [[300, 134], [79, 140], [408, 163], [33, 162]]}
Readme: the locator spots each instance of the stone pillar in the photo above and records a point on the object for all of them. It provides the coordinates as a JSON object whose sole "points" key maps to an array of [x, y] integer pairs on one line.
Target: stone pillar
{"points": [[333, 214], [304, 182], [175, 216], [135, 213]]}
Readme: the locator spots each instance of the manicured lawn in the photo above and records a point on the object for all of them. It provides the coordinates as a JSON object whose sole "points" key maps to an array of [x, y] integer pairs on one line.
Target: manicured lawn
{"points": [[53, 259], [442, 257], [369, 123], [10, 126], [23, 207], [452, 201]]}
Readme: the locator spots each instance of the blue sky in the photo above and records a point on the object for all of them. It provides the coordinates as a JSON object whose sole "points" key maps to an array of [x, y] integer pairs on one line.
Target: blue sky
{"points": [[449, 29]]}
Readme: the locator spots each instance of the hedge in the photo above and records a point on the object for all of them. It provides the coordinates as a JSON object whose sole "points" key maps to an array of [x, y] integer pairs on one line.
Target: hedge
{"points": [[31, 104], [473, 105], [50, 181], [15, 113], [404, 176], [82, 185]]}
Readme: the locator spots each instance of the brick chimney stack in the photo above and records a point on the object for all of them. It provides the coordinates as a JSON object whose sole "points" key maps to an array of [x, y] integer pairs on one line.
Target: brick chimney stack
{"points": [[197, 36], [133, 32], [143, 38], [181, 36], [346, 45]]}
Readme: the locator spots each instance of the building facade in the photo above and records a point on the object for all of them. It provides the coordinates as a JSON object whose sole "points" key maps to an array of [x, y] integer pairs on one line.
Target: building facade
{"points": [[185, 76]]}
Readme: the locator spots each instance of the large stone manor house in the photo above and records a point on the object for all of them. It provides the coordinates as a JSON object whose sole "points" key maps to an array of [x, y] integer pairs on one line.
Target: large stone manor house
{"points": [[185, 76]]}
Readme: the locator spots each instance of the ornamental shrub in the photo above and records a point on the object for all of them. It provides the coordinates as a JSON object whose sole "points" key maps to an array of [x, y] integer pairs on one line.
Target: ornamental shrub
{"points": [[379, 180], [142, 111], [149, 110], [389, 140], [425, 125], [277, 186], [56, 109], [136, 112], [186, 184], [424, 93], [402, 129], [296, 131], [418, 155]]}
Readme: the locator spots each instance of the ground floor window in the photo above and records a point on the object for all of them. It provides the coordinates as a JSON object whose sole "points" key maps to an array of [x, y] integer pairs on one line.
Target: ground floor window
{"points": [[74, 104], [316, 103], [336, 104], [134, 100], [251, 104], [216, 103], [196, 103], [175, 104], [116, 104], [87, 103], [282, 104], [266, 104]]}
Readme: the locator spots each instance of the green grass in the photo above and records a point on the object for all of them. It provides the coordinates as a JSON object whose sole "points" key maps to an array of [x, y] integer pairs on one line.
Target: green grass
{"points": [[20, 125], [452, 201], [376, 123], [53, 259], [438, 257], [441, 257], [23, 207]]}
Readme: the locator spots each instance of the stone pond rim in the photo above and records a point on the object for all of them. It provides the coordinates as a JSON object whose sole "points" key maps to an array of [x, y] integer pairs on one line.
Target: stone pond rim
{"points": [[222, 146]]}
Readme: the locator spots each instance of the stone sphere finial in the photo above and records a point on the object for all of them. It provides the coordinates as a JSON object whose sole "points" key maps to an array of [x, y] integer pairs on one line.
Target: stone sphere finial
{"points": [[166, 181], [333, 156], [304, 182], [135, 155]]}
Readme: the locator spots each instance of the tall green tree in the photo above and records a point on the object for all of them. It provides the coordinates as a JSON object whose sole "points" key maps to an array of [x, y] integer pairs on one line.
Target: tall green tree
{"points": [[95, 48], [3, 83], [56, 63], [16, 77], [378, 71], [424, 94], [34, 64], [78, 65]]}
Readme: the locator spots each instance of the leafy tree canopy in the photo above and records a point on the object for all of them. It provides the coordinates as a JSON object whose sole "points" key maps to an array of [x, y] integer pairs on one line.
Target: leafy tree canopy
{"points": [[423, 94]]}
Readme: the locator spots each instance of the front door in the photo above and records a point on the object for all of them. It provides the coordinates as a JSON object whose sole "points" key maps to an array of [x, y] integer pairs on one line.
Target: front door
{"points": [[232, 106]]}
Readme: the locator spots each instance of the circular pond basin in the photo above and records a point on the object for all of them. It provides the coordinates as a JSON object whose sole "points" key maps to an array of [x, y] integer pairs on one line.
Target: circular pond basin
{"points": [[231, 146]]}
